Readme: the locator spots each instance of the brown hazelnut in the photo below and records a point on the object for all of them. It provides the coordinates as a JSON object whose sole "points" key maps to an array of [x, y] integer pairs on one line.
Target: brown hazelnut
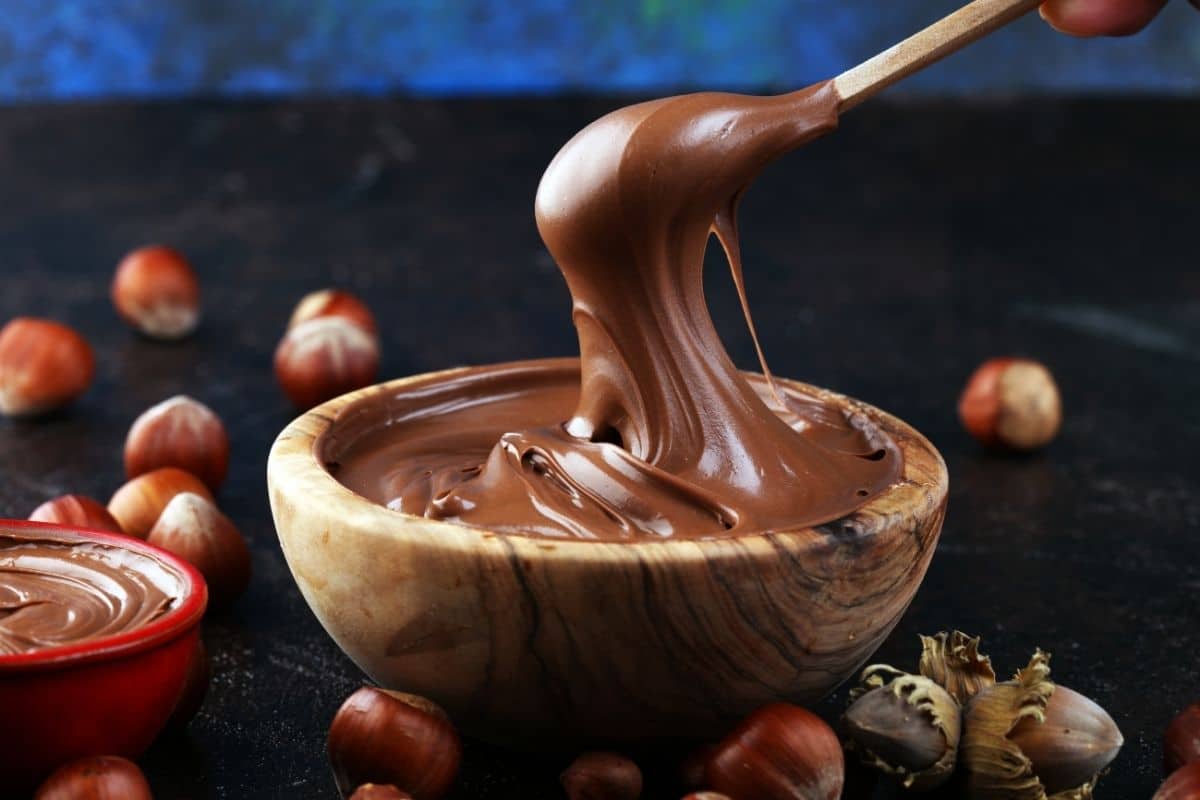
{"points": [[76, 511], [1183, 784], [156, 291], [602, 776], [96, 778], [1011, 403], [323, 358], [333, 303], [139, 503], [780, 752], [707, 796], [379, 736], [195, 688], [375, 791], [193, 528], [44, 365], [179, 432], [1028, 732], [1181, 742], [905, 726]]}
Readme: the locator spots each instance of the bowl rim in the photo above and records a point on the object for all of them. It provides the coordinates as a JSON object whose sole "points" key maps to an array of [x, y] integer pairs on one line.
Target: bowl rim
{"points": [[294, 472], [176, 622]]}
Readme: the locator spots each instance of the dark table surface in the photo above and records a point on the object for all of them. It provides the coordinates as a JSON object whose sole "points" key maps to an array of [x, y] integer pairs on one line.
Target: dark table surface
{"points": [[885, 261]]}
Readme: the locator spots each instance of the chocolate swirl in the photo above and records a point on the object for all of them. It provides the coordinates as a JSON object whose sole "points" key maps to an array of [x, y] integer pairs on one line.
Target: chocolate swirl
{"points": [[57, 592]]}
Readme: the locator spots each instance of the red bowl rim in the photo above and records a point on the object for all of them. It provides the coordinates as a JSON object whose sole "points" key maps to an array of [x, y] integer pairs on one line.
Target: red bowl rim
{"points": [[169, 626]]}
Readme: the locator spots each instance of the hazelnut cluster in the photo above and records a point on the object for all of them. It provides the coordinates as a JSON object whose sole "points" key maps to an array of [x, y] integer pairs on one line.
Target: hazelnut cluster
{"points": [[1023, 738]]}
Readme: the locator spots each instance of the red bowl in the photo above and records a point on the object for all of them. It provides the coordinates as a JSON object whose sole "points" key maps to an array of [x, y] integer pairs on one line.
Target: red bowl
{"points": [[110, 695]]}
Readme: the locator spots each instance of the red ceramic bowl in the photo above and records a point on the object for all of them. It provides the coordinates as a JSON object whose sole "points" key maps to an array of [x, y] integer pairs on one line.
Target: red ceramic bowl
{"points": [[105, 696]]}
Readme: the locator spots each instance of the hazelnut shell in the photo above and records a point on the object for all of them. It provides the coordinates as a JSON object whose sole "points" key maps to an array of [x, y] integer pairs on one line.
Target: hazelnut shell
{"points": [[140, 502], [602, 776], [96, 778], [44, 365], [1011, 403], [1182, 784], [193, 528], [156, 291], [76, 511], [1181, 742], [334, 303], [323, 358], [179, 432]]}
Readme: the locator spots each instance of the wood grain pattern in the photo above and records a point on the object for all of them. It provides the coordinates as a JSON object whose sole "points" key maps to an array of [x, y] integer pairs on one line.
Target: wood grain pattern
{"points": [[929, 46], [529, 638]]}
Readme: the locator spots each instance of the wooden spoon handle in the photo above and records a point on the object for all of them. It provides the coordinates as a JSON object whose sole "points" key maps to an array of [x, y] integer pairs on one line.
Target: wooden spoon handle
{"points": [[948, 35]]}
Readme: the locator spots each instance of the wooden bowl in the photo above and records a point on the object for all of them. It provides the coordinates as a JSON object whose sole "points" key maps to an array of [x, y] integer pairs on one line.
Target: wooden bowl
{"points": [[110, 695], [526, 639]]}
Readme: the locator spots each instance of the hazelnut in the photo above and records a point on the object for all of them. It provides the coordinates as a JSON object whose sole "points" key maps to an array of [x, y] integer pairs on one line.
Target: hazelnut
{"points": [[780, 752], [323, 358], [375, 791], [905, 726], [96, 778], [1183, 784], [602, 776], [179, 432], [139, 503], [195, 688], [156, 291], [193, 528], [1029, 732], [76, 511], [387, 737], [1181, 742], [333, 303], [44, 365], [707, 796], [1011, 403]]}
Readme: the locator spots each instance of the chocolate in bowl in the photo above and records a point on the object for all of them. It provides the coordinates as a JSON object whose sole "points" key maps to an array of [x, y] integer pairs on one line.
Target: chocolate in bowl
{"points": [[107, 680], [527, 638]]}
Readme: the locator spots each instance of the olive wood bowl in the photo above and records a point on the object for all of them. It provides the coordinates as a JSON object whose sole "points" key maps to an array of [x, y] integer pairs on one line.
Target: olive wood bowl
{"points": [[527, 639]]}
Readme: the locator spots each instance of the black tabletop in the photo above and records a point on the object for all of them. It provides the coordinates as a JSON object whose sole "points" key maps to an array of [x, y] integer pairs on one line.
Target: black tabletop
{"points": [[885, 261]]}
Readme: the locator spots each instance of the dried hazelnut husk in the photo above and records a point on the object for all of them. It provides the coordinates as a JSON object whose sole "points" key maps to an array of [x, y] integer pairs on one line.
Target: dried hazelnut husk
{"points": [[602, 776], [905, 726], [1027, 739], [953, 661]]}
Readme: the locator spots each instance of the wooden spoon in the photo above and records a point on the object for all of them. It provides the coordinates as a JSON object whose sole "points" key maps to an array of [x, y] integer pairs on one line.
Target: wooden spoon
{"points": [[948, 35]]}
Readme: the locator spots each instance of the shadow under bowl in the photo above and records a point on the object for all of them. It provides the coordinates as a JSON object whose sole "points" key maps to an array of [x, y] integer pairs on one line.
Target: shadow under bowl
{"points": [[525, 639], [110, 695]]}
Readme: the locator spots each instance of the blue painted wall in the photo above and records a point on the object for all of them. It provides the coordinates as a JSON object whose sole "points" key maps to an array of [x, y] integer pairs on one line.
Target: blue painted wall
{"points": [[74, 48]]}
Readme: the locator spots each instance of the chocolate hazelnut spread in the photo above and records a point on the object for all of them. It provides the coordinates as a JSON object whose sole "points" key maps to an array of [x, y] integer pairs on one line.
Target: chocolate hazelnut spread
{"points": [[56, 592], [659, 434]]}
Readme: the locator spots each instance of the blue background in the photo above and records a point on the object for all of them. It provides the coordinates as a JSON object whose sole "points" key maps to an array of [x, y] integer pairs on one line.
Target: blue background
{"points": [[99, 48]]}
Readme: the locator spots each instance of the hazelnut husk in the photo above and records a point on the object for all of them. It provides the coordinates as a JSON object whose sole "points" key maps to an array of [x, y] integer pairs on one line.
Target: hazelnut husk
{"points": [[194, 529], [96, 778], [44, 365], [780, 752], [1027, 739], [602, 776], [1181, 742], [953, 661], [905, 726], [378, 736], [76, 511]]}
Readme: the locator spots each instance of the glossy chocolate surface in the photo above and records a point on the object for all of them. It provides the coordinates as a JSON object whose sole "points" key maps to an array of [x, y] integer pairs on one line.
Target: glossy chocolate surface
{"points": [[56, 591]]}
